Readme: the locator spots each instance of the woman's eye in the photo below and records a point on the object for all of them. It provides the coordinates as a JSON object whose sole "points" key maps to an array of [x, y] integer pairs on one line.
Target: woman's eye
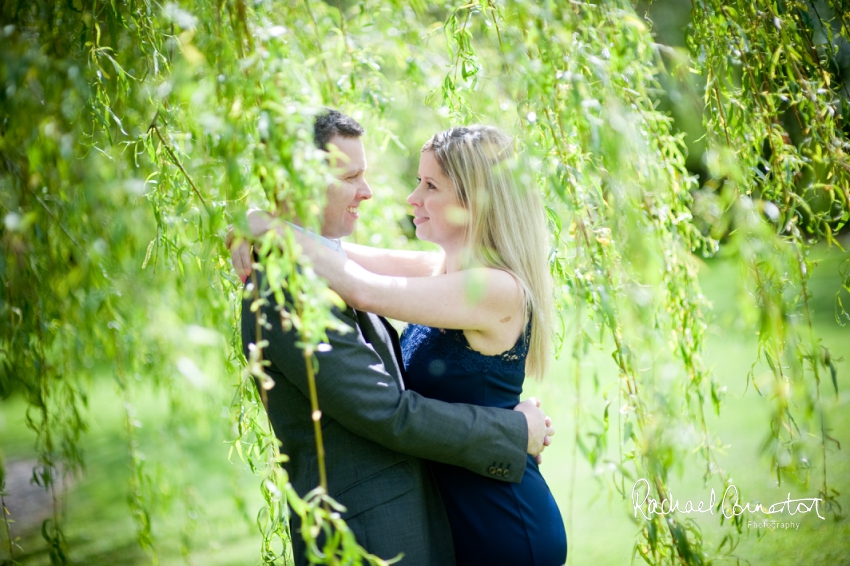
{"points": [[430, 185]]}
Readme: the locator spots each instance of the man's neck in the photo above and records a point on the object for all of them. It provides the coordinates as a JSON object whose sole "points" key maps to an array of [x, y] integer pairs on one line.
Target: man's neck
{"points": [[297, 222], [333, 243]]}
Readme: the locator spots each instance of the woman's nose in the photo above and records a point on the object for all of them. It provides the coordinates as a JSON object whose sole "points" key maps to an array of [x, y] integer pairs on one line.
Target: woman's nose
{"points": [[413, 198]]}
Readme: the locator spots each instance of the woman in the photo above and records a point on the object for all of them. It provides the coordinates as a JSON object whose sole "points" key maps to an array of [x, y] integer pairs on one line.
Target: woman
{"points": [[480, 316]]}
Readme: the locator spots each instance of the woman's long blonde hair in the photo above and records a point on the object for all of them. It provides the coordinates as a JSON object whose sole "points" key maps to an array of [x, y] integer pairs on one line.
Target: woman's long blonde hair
{"points": [[506, 227]]}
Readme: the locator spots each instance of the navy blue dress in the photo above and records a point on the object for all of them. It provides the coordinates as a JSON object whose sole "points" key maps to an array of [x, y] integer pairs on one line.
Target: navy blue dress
{"points": [[493, 522]]}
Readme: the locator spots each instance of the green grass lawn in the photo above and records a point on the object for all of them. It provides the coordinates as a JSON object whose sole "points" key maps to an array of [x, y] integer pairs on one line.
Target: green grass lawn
{"points": [[100, 529], [599, 525]]}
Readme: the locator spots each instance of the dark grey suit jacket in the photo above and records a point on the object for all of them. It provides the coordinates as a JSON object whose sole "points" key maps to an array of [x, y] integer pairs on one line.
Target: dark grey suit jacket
{"points": [[375, 433]]}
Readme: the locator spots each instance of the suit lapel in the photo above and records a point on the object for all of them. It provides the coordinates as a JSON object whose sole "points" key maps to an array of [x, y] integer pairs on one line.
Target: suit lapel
{"points": [[394, 340], [384, 339]]}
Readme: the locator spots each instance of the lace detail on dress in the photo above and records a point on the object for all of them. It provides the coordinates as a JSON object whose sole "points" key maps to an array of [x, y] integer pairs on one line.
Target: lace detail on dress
{"points": [[451, 346]]}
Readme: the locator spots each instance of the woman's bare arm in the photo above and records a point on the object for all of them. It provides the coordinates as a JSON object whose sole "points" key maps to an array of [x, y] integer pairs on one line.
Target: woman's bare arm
{"points": [[479, 299], [382, 261], [400, 263]]}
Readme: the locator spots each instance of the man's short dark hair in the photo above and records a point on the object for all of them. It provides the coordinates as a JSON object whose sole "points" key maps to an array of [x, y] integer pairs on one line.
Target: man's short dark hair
{"points": [[334, 123]]}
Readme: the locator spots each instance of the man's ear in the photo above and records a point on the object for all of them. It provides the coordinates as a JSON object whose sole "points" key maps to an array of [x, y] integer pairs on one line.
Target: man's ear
{"points": [[335, 157]]}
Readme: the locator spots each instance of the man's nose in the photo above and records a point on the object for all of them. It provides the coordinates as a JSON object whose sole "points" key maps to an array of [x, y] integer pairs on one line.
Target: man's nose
{"points": [[364, 192]]}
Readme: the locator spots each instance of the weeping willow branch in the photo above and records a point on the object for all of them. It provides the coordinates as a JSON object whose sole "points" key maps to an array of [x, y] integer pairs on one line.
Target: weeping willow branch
{"points": [[176, 161]]}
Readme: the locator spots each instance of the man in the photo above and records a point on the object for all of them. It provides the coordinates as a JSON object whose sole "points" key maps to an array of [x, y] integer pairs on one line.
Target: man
{"points": [[375, 431]]}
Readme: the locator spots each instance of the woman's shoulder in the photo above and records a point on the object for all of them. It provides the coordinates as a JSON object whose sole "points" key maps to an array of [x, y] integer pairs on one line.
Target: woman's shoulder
{"points": [[499, 282]]}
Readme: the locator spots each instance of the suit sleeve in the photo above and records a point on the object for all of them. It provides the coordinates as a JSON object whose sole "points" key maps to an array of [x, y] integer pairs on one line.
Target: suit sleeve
{"points": [[355, 389]]}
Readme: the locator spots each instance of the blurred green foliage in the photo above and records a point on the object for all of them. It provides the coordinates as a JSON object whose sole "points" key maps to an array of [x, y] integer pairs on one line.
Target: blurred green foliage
{"points": [[132, 133]]}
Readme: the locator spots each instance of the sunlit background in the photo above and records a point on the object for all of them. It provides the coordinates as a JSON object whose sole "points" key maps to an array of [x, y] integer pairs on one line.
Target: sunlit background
{"points": [[651, 183]]}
